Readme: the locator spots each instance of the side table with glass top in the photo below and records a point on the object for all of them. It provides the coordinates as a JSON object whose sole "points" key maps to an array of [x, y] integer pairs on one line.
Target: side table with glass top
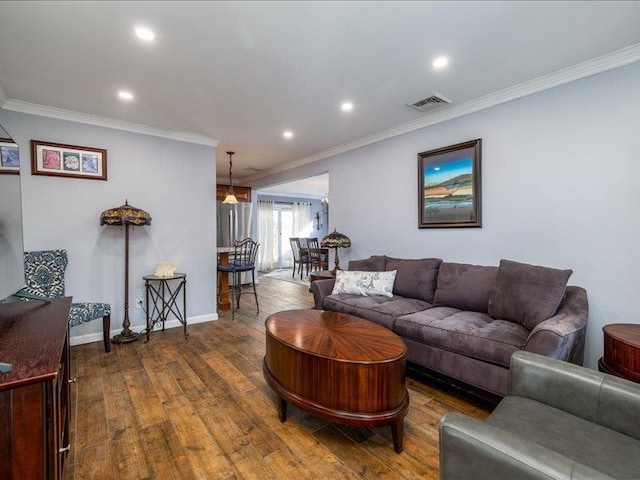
{"points": [[162, 300]]}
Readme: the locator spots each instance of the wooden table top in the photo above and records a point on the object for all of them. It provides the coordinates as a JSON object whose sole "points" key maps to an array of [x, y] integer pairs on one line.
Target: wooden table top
{"points": [[32, 338], [318, 274], [336, 336], [625, 332]]}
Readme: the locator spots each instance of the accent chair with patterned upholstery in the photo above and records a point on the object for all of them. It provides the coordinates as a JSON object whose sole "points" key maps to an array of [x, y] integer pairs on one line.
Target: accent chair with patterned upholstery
{"points": [[44, 277]]}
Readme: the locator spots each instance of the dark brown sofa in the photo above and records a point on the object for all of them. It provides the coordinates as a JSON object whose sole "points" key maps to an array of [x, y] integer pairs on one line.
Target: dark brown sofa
{"points": [[465, 321]]}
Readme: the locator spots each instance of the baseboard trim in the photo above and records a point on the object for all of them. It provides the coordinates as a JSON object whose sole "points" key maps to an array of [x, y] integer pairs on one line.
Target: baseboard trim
{"points": [[455, 387], [97, 337]]}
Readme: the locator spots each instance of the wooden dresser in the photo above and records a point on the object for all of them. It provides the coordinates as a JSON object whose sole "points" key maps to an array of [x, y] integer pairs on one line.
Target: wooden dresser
{"points": [[34, 395], [621, 351]]}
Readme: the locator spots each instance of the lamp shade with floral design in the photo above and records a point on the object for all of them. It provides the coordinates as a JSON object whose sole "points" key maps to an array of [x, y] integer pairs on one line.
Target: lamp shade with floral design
{"points": [[125, 215], [336, 240]]}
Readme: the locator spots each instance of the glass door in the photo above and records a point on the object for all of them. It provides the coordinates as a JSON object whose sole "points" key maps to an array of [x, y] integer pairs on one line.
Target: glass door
{"points": [[283, 230]]}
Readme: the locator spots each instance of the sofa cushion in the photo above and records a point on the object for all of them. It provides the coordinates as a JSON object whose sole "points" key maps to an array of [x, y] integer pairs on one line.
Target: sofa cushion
{"points": [[381, 310], [527, 294], [472, 334], [374, 263], [416, 278], [464, 286], [580, 440], [364, 283]]}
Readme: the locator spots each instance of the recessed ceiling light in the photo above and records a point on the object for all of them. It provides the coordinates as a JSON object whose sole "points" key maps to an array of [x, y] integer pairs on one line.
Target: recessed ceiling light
{"points": [[440, 62], [287, 134], [124, 95], [346, 106], [145, 34]]}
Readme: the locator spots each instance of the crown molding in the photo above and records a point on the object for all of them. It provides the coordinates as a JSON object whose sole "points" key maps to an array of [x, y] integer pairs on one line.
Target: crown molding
{"points": [[71, 116], [306, 196], [610, 61]]}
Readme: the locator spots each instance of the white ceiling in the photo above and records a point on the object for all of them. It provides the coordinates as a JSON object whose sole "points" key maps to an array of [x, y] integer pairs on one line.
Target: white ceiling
{"points": [[242, 72], [311, 187]]}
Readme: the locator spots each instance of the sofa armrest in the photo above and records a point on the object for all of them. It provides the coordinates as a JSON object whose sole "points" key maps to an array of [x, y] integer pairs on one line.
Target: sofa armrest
{"points": [[320, 289], [471, 448], [563, 335], [597, 397]]}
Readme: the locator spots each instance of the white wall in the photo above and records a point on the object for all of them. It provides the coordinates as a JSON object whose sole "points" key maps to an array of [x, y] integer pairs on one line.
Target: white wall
{"points": [[173, 181], [559, 188]]}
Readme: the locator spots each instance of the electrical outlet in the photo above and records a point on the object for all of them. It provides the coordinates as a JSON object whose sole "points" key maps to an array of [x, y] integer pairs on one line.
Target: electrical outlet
{"points": [[139, 301]]}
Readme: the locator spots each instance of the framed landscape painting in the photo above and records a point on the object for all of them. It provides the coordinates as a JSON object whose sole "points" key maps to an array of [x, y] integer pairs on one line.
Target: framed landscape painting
{"points": [[449, 186], [60, 160]]}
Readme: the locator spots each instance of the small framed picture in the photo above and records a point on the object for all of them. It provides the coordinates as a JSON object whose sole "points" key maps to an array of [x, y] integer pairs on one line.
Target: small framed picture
{"points": [[9, 157], [449, 186], [60, 160]]}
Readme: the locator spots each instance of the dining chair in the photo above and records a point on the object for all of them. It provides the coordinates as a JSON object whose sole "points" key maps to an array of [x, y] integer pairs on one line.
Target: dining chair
{"points": [[44, 277], [243, 259], [317, 257], [300, 256]]}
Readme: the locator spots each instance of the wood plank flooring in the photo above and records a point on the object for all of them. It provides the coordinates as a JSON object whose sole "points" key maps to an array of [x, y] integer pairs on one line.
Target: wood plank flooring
{"points": [[199, 408]]}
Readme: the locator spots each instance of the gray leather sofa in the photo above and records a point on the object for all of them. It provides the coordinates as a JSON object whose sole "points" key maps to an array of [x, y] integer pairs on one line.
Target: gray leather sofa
{"points": [[465, 321], [559, 421]]}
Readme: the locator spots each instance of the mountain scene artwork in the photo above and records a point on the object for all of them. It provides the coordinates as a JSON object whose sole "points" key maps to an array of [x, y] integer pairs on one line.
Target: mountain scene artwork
{"points": [[448, 189], [449, 186]]}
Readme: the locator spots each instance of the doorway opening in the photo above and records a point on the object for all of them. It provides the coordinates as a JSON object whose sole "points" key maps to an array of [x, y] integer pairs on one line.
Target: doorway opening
{"points": [[292, 209]]}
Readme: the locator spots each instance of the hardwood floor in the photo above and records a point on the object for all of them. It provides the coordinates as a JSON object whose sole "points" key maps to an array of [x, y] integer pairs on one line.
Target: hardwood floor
{"points": [[199, 408]]}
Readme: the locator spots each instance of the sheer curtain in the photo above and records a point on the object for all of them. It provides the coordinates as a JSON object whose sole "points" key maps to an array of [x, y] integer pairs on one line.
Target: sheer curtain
{"points": [[266, 236], [302, 220]]}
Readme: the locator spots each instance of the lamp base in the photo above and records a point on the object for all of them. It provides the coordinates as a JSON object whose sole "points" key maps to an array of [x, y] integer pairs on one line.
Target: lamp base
{"points": [[126, 336], [336, 262]]}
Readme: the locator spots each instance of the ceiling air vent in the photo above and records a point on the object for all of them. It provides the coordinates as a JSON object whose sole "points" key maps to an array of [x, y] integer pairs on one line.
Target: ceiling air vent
{"points": [[430, 102]]}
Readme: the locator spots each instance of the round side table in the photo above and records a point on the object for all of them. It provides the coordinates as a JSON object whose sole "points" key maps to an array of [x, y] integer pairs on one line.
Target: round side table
{"points": [[321, 275], [621, 351]]}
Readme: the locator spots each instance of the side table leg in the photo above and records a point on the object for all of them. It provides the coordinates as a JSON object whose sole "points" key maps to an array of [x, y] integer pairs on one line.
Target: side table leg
{"points": [[282, 409], [396, 434], [146, 289], [184, 306]]}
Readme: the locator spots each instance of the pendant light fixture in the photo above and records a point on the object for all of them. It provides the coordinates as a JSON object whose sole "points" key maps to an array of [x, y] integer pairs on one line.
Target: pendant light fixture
{"points": [[230, 198]]}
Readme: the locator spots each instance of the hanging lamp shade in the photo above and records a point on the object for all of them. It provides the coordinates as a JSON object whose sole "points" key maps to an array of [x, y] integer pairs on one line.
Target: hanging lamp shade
{"points": [[230, 198], [125, 215]]}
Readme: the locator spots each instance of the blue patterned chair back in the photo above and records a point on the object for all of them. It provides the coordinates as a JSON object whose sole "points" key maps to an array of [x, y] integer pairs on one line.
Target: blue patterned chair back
{"points": [[44, 277], [44, 272]]}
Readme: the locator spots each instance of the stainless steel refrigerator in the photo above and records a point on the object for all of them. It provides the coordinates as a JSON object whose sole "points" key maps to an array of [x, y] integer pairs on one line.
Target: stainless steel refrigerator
{"points": [[234, 223]]}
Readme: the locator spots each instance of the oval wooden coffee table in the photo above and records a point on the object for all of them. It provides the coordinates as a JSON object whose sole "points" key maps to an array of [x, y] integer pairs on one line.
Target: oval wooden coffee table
{"points": [[338, 367]]}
